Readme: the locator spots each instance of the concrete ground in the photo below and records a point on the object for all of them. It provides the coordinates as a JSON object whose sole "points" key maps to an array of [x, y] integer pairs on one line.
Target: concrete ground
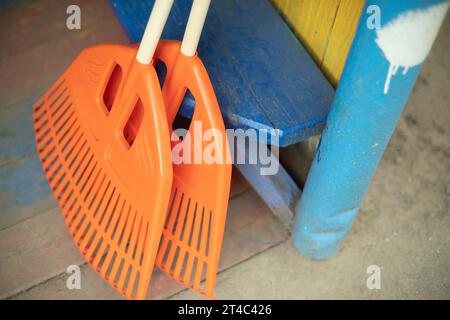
{"points": [[403, 226]]}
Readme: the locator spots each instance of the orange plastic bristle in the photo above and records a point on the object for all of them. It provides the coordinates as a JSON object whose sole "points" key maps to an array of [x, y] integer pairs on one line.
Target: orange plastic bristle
{"points": [[192, 238], [103, 140]]}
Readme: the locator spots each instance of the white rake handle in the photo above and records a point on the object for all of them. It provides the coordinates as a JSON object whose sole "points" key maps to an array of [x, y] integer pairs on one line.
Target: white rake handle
{"points": [[153, 30], [194, 27]]}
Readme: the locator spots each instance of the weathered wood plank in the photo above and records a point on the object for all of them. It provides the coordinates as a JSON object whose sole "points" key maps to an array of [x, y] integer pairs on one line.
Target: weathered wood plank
{"points": [[9, 4], [41, 248], [37, 236], [28, 74], [44, 21], [24, 191], [34, 251], [250, 228], [16, 132]]}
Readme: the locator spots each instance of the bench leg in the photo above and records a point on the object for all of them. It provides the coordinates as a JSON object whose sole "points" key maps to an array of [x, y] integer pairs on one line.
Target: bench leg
{"points": [[380, 73], [278, 190]]}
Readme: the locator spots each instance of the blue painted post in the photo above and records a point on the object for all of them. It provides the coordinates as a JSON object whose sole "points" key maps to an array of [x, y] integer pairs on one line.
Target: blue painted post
{"points": [[390, 46]]}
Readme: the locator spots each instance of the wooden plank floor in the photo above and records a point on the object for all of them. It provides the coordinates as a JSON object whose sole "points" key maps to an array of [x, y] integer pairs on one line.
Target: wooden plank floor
{"points": [[35, 247]]}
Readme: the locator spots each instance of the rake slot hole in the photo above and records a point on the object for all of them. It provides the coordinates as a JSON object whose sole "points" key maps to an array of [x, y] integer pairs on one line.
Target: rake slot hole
{"points": [[47, 144], [112, 87], [113, 234], [119, 272], [64, 125], [43, 135], [75, 213], [141, 253], [103, 257], [203, 276], [58, 98], [78, 225], [190, 281], [175, 258], [191, 235], [56, 88], [124, 227], [66, 134], [184, 265], [79, 152], [89, 242], [133, 124], [136, 243], [169, 212], [70, 207], [63, 191], [112, 213], [166, 254], [111, 265], [88, 179], [99, 203], [128, 273], [48, 154], [69, 141], [183, 119], [129, 233], [84, 233], [161, 71], [75, 150], [64, 106], [96, 250], [202, 221], [183, 228], [136, 284], [208, 237], [106, 211], [66, 200], [50, 165], [177, 215]]}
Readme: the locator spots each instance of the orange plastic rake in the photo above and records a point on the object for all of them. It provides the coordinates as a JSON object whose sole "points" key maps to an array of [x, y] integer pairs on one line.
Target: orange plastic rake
{"points": [[103, 140], [193, 232]]}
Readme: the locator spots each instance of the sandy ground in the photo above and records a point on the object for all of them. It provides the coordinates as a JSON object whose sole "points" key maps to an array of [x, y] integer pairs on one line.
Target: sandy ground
{"points": [[403, 226]]}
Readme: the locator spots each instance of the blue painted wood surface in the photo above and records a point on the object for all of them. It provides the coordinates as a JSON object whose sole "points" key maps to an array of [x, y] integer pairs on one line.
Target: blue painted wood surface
{"points": [[24, 191], [262, 76], [16, 132]]}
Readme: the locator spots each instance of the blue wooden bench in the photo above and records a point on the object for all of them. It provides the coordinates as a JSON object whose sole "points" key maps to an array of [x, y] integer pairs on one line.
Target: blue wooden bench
{"points": [[262, 75]]}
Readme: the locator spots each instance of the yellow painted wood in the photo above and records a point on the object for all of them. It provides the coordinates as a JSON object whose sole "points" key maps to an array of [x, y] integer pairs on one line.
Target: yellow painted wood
{"points": [[341, 38], [312, 22], [325, 27]]}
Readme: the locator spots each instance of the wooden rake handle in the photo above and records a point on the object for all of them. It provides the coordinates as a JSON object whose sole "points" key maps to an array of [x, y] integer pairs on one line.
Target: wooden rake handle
{"points": [[153, 30], [194, 27]]}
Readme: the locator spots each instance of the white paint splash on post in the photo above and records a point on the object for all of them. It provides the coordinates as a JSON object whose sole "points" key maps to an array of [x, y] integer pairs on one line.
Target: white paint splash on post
{"points": [[407, 39]]}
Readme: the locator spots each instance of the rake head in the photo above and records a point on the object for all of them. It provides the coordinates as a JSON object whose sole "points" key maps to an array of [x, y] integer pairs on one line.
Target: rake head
{"points": [[192, 238], [103, 140]]}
